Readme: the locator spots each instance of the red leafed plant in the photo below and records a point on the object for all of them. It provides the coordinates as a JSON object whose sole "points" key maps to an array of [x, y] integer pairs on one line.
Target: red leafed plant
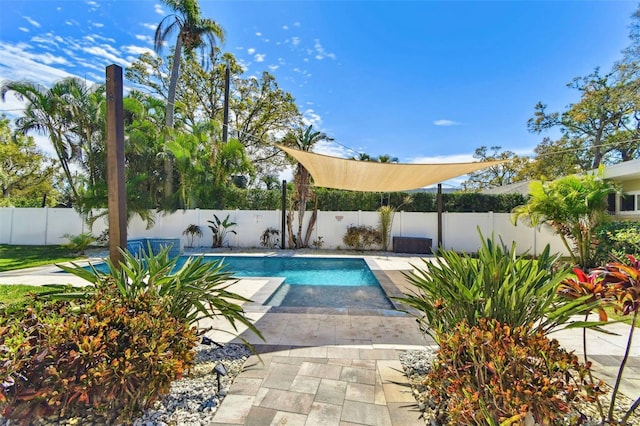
{"points": [[493, 373], [113, 357], [618, 285]]}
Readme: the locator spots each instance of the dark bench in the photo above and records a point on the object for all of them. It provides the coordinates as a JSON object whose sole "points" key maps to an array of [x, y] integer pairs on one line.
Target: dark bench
{"points": [[412, 245]]}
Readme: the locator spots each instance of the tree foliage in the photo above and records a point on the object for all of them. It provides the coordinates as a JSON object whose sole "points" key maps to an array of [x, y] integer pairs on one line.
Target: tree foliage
{"points": [[574, 206], [499, 175], [26, 174]]}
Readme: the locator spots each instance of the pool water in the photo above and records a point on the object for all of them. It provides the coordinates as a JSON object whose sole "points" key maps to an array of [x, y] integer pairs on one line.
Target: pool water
{"points": [[301, 270], [309, 281]]}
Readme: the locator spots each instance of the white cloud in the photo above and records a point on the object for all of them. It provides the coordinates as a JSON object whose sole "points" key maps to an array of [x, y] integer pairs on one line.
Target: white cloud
{"points": [[23, 29], [321, 53], [144, 38], [446, 123], [32, 21], [105, 53], [259, 34], [332, 149], [443, 159], [43, 41], [295, 41], [274, 67], [19, 64], [251, 51], [93, 6], [284, 27], [259, 57], [136, 50], [158, 8], [311, 118], [150, 26], [97, 24], [296, 24]]}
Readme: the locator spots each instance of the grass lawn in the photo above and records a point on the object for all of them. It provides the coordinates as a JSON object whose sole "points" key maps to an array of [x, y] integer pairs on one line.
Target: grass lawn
{"points": [[12, 294], [18, 257]]}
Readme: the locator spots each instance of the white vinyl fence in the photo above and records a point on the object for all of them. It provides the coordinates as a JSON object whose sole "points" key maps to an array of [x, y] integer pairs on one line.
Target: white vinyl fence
{"points": [[44, 226]]}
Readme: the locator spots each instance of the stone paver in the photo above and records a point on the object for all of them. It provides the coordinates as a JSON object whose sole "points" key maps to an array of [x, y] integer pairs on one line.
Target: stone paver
{"points": [[324, 414], [331, 391], [366, 414], [234, 410], [293, 402]]}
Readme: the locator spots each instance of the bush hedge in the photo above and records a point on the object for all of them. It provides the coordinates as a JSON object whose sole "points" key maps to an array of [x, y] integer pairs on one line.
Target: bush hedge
{"points": [[338, 200]]}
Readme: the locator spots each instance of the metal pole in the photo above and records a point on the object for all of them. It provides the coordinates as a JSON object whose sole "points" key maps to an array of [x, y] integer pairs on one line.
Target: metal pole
{"points": [[439, 203], [117, 199], [283, 232], [225, 123]]}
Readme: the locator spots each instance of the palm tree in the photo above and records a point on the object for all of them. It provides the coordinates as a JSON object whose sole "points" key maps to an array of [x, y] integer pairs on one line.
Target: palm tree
{"points": [[46, 112], [194, 32], [386, 158], [304, 141]]}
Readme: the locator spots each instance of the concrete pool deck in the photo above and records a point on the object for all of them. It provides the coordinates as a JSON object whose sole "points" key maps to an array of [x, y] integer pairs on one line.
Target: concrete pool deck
{"points": [[324, 366]]}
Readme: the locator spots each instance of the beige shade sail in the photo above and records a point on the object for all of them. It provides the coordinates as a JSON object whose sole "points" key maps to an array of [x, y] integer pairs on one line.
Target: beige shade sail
{"points": [[353, 175]]}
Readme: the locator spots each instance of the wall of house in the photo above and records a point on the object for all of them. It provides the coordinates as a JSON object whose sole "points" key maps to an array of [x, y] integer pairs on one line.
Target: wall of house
{"points": [[630, 185], [47, 226]]}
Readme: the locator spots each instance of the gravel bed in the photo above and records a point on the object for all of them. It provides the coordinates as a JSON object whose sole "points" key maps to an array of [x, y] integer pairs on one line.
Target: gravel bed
{"points": [[417, 363], [192, 400]]}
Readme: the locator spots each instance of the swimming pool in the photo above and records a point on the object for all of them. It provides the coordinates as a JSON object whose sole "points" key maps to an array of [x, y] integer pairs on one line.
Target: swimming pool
{"points": [[309, 281]]}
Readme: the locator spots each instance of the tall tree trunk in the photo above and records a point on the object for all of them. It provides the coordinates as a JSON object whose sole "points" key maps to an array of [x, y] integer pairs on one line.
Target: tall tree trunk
{"points": [[310, 226], [303, 192], [171, 99]]}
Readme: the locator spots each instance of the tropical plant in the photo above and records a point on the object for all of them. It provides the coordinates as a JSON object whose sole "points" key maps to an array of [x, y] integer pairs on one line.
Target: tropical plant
{"points": [[618, 282], [496, 284], [493, 373], [361, 237], [385, 220], [574, 206], [269, 238], [192, 231], [111, 357], [318, 243], [46, 113], [194, 32], [616, 239], [79, 243], [220, 229], [303, 140]]}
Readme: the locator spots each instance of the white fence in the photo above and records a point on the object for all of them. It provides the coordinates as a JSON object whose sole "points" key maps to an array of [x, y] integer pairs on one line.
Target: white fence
{"points": [[44, 226]]}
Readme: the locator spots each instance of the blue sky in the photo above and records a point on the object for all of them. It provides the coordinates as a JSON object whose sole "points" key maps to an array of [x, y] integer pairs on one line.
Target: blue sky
{"points": [[423, 81]]}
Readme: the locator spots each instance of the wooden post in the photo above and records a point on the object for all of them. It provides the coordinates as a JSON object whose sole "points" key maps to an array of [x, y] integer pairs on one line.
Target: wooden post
{"points": [[117, 201], [283, 232], [439, 202]]}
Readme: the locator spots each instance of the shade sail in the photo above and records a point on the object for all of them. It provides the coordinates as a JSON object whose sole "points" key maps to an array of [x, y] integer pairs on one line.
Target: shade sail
{"points": [[353, 175]]}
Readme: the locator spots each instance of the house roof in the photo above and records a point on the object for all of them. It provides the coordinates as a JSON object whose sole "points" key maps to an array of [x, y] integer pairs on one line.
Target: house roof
{"points": [[626, 170]]}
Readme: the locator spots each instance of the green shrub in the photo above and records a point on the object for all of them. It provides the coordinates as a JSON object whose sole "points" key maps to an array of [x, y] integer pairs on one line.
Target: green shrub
{"points": [[79, 243], [493, 373], [192, 292], [231, 198], [497, 284], [617, 239], [113, 357], [361, 237]]}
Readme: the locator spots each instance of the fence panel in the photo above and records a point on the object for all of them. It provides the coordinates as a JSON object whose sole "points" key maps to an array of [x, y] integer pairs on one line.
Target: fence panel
{"points": [[30, 226]]}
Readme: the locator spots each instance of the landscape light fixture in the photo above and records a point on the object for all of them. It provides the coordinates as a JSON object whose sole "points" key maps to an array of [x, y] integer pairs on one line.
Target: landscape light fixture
{"points": [[220, 370]]}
